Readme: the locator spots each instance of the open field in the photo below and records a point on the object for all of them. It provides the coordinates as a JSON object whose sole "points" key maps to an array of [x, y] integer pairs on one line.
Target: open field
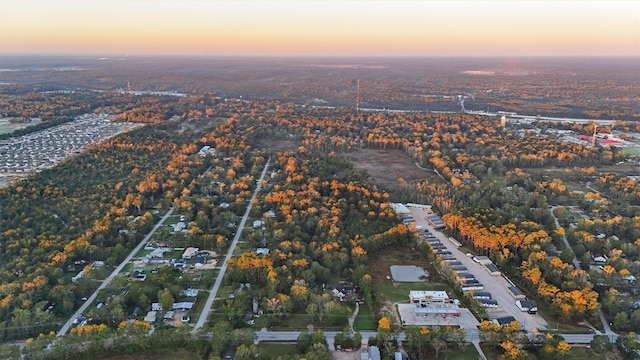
{"points": [[386, 166], [273, 350], [276, 145], [397, 256], [173, 354], [8, 127]]}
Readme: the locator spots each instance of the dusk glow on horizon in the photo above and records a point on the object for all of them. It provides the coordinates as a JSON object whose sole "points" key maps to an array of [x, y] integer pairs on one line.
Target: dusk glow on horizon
{"points": [[321, 28]]}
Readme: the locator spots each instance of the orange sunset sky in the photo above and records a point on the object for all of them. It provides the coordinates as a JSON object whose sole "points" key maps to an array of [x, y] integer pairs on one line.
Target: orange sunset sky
{"points": [[321, 28]]}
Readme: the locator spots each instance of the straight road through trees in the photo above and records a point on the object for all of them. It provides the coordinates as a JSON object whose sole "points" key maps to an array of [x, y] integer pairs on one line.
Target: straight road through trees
{"points": [[115, 273], [223, 269]]}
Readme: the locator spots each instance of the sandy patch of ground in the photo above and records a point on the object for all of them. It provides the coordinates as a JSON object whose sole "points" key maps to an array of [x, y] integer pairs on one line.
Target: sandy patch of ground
{"points": [[345, 355]]}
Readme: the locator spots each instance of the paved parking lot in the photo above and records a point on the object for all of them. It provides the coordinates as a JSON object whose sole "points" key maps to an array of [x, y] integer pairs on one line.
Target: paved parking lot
{"points": [[496, 285], [466, 320]]}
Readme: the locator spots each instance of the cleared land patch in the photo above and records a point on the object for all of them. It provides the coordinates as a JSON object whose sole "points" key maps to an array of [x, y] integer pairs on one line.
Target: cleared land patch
{"points": [[277, 145], [386, 166]]}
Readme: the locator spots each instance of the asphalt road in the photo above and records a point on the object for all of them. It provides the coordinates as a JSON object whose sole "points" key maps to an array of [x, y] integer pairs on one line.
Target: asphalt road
{"points": [[472, 335], [223, 269], [115, 273]]}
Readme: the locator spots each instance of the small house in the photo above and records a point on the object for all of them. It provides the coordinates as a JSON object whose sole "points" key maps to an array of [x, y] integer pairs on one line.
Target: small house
{"points": [[190, 252], [179, 226], [168, 316], [190, 292], [258, 224], [600, 258], [151, 317]]}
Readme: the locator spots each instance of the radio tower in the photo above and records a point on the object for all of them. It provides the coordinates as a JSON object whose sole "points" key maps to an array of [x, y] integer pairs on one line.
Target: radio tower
{"points": [[358, 96]]}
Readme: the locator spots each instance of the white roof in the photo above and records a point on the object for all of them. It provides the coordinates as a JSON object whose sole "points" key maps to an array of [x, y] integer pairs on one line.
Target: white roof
{"points": [[183, 306], [414, 294], [400, 208], [151, 316], [190, 292]]}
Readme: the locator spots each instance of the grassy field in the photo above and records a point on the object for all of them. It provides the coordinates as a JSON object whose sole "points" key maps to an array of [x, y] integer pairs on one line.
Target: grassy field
{"points": [[468, 353], [173, 354], [565, 328], [9, 127], [365, 320], [631, 151], [273, 350]]}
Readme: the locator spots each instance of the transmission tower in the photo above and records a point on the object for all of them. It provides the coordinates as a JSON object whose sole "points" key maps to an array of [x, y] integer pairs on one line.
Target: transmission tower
{"points": [[358, 96]]}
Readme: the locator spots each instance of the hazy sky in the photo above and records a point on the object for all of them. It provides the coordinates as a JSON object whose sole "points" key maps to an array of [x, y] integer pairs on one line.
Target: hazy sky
{"points": [[326, 28]]}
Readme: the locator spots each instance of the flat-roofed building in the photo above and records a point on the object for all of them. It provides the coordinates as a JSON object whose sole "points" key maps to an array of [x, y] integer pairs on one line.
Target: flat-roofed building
{"points": [[426, 297]]}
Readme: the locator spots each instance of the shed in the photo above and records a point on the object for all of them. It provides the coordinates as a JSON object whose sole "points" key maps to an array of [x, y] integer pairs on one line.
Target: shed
{"points": [[527, 305], [505, 320], [482, 260], [488, 303], [493, 270], [151, 317], [516, 293], [470, 287], [459, 269], [374, 353], [482, 295]]}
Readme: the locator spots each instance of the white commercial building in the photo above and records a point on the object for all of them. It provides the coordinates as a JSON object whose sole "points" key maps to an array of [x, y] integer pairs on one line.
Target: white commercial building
{"points": [[426, 297]]}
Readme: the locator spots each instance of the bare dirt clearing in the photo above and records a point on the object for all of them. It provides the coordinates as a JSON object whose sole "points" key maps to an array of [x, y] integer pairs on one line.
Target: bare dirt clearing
{"points": [[276, 145], [345, 355], [386, 166]]}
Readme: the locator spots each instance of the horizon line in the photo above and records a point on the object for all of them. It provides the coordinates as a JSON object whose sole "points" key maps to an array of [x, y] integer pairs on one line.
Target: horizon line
{"points": [[333, 56]]}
